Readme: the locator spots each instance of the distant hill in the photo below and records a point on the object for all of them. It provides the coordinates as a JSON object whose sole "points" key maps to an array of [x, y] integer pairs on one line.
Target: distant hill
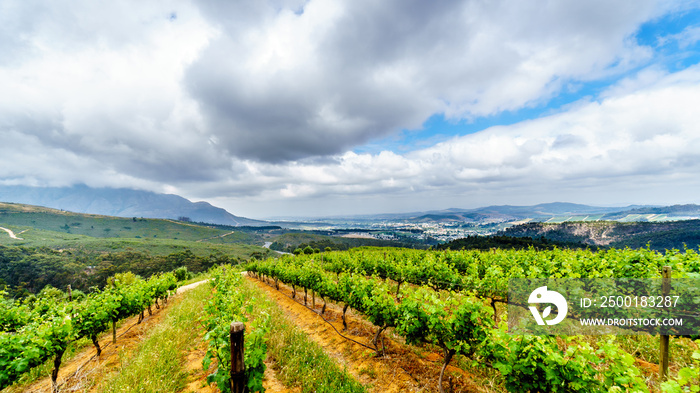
{"points": [[507, 213], [659, 235], [122, 202], [504, 213], [35, 219], [544, 212]]}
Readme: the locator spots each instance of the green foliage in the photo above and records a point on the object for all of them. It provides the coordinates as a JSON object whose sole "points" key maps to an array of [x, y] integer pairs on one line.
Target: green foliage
{"points": [[26, 270], [485, 243], [78, 225], [687, 379], [230, 305], [46, 327], [181, 273], [658, 236], [123, 279], [303, 364], [33, 344], [157, 365], [290, 241], [453, 316], [537, 364], [51, 293]]}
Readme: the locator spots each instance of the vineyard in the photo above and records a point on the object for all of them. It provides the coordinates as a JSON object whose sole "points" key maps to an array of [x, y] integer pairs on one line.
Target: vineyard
{"points": [[32, 334], [373, 319], [450, 300]]}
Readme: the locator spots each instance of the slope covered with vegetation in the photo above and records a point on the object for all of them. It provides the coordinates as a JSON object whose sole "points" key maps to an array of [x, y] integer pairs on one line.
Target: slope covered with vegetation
{"points": [[40, 218], [659, 235]]}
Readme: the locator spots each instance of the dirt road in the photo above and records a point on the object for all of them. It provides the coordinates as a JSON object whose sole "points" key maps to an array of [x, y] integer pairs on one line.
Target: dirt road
{"points": [[12, 234]]}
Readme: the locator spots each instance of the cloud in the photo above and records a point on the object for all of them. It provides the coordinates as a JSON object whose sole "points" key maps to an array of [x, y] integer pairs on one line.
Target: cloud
{"points": [[686, 38], [280, 84], [103, 83], [646, 138], [266, 101]]}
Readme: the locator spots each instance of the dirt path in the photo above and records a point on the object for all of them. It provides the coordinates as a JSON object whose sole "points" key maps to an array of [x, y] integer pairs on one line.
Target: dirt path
{"points": [[215, 237], [403, 369], [268, 244], [187, 287], [12, 234], [84, 372]]}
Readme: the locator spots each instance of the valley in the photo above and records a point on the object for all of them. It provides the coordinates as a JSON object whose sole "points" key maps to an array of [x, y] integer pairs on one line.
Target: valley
{"points": [[343, 295]]}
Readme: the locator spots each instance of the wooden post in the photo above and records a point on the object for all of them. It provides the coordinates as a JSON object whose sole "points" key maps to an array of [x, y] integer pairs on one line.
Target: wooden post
{"points": [[664, 339], [114, 331], [238, 377], [70, 293]]}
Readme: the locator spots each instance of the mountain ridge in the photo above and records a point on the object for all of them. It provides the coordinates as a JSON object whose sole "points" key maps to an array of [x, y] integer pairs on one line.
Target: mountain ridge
{"points": [[122, 202]]}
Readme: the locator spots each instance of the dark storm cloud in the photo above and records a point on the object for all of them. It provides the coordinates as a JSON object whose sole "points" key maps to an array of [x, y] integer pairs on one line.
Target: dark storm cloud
{"points": [[281, 85]]}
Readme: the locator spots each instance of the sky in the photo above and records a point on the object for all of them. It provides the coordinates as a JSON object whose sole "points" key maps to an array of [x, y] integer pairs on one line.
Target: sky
{"points": [[336, 107]]}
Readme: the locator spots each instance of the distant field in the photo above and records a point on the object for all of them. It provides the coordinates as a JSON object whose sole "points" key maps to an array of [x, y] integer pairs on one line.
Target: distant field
{"points": [[557, 220], [648, 217], [598, 217]]}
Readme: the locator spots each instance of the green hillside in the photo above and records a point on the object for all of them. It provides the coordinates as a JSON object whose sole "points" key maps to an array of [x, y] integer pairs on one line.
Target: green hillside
{"points": [[658, 235], [41, 226], [58, 248]]}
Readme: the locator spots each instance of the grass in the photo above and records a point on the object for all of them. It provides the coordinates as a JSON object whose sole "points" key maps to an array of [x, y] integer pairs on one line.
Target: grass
{"points": [[47, 225], [158, 363], [97, 245], [299, 361], [93, 234], [302, 363]]}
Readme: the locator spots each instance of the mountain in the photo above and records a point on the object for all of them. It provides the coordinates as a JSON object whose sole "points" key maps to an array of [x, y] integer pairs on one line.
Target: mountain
{"points": [[122, 202], [544, 212], [507, 213]]}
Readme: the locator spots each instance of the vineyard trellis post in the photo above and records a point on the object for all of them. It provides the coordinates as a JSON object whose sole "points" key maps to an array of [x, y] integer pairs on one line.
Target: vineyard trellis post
{"points": [[238, 377], [664, 338]]}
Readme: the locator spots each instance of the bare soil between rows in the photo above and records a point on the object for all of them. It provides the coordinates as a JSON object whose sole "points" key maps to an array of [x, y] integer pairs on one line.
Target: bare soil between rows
{"points": [[403, 368]]}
